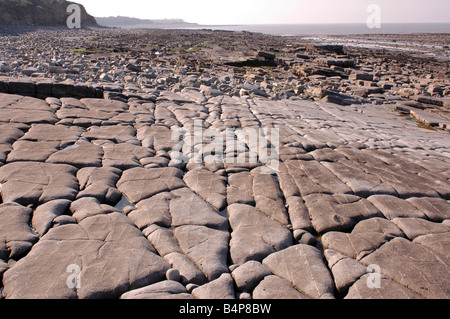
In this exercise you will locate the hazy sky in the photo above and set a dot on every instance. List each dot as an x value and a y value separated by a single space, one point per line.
272 11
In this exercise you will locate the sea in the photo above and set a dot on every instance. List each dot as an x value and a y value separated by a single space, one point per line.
334 29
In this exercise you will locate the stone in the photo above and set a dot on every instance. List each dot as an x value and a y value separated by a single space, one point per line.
24 151
240 189
414 267
254 235
269 198
186 208
206 247
436 209
394 207
307 272
162 290
115 134
273 287
189 272
338 212
16 235
46 132
298 214
312 177
249 275
100 183
124 156
221 289
22 88
361 76
32 183
346 271
365 238
438 242
140 183
97 247
163 241
209 186
27 110
173 274
388 290
415 227
81 154
45 214
154 210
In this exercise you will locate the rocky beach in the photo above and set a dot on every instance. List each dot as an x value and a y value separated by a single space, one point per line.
129 167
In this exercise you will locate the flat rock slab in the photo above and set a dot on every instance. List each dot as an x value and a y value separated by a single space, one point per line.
338 212
16 235
112 259
209 186
140 183
255 235
413 266
206 247
161 290
302 266
32 182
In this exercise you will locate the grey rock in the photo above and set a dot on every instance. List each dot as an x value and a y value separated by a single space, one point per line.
209 186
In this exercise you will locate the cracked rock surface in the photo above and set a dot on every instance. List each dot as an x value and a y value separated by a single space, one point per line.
135 195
